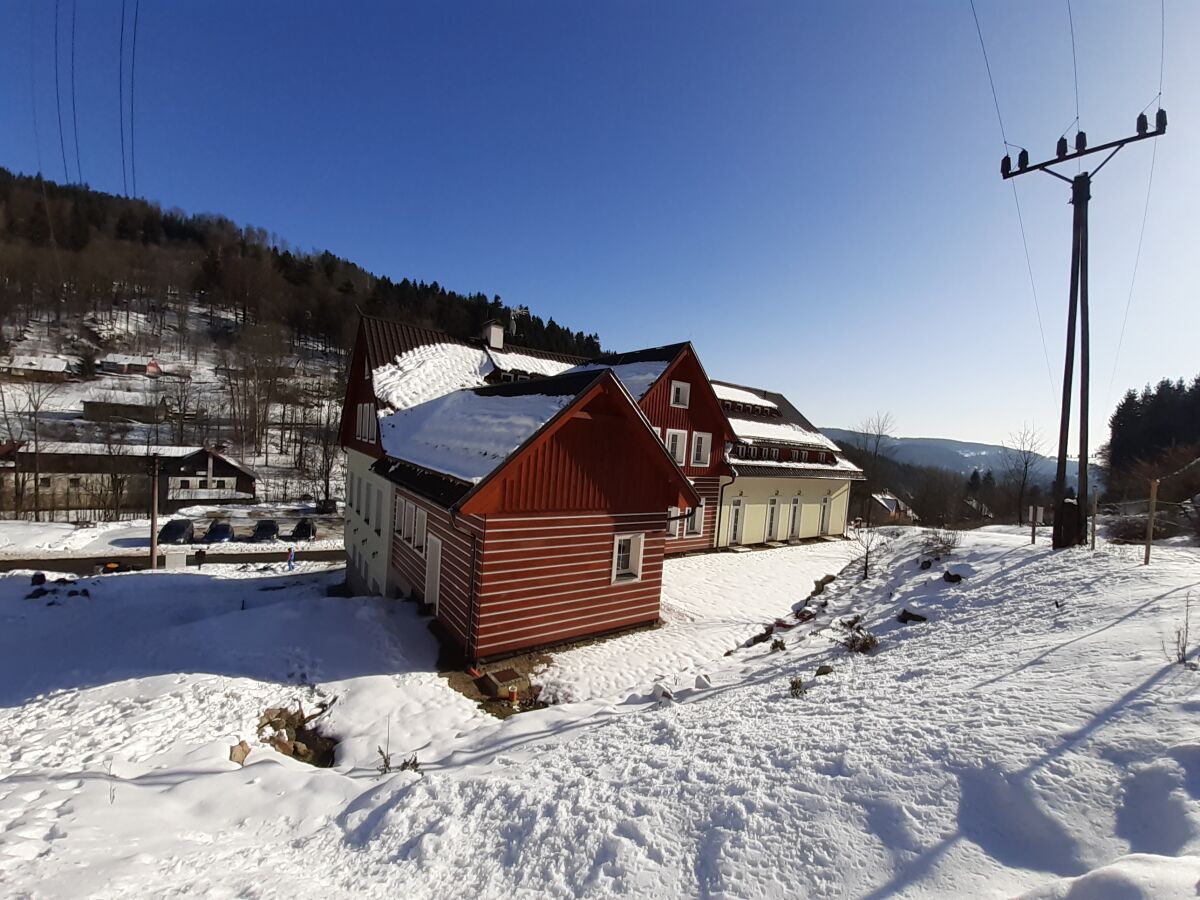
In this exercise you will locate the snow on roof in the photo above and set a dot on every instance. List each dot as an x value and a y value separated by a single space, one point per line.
467 434
514 360
59 447
840 464
34 363
741 395
751 430
430 371
638 377
125 359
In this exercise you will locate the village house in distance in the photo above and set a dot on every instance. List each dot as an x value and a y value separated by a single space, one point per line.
529 498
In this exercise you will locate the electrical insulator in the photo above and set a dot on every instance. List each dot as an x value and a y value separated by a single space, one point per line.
1080 141
1023 159
1061 149
1142 124
1160 120
1005 166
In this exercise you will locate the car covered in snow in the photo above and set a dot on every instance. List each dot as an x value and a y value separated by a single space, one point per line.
265 530
218 532
177 531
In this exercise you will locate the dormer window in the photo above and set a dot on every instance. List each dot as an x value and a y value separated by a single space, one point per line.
681 393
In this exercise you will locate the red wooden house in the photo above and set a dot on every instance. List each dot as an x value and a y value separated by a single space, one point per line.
531 513
673 390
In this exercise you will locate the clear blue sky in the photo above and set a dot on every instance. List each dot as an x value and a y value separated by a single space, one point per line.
809 192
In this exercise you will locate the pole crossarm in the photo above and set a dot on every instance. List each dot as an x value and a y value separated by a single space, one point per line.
1100 148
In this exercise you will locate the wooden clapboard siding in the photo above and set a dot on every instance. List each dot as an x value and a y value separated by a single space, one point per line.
548 579
459 578
710 490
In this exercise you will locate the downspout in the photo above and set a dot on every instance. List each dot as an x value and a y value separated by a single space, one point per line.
721 503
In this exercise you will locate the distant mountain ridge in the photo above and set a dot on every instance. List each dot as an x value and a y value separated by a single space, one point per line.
955 456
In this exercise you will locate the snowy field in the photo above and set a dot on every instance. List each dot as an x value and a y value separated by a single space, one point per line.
1030 737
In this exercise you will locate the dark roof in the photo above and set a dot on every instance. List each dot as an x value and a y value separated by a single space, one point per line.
386 339
787 412
568 384
753 470
650 354
442 489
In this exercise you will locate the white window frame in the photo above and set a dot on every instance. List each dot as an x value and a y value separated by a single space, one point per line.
410 516
636 546
695 520
673 522
681 456
422 527
685 390
398 516
701 439
794 521
772 528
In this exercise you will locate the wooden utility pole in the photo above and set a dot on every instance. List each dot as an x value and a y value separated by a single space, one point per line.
1069 534
154 512
1150 520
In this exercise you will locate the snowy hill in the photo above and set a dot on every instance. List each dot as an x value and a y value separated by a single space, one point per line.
1031 736
956 456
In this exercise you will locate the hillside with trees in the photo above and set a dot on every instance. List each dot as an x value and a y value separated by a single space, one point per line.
71 252
1154 434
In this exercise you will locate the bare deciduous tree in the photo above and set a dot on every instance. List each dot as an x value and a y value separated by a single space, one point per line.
1020 455
33 397
873 441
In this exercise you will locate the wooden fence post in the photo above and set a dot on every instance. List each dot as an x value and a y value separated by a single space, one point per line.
1150 520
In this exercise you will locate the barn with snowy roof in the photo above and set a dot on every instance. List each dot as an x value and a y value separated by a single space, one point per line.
530 513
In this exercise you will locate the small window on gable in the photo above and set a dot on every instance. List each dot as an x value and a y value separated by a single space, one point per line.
627 557
701 448
676 441
681 393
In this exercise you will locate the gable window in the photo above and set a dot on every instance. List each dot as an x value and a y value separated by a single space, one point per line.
701 448
367 425
677 445
627 557
695 519
681 393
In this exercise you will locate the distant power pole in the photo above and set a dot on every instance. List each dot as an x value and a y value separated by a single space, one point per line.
1074 532
154 473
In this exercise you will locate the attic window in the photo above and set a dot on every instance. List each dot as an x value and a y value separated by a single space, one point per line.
681 393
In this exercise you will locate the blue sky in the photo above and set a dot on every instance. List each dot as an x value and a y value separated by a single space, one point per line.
809 192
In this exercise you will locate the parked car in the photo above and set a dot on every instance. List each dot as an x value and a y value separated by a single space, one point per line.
177 531
218 533
305 530
265 530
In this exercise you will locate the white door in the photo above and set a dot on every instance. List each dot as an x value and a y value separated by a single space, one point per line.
825 507
794 524
735 522
772 518
433 571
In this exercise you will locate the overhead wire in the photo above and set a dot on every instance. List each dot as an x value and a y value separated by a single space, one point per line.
1075 72
1037 307
74 117
1137 256
121 98
58 99
132 79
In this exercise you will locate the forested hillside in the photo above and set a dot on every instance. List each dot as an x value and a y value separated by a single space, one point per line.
67 252
1155 433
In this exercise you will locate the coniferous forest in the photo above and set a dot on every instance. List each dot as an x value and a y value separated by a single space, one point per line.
69 251
1154 433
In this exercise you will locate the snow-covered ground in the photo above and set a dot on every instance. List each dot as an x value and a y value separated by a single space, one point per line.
1032 736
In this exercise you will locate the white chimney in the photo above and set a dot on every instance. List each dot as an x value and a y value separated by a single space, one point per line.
493 333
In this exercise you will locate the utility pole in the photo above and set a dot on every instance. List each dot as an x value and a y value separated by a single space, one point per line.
1074 532
154 512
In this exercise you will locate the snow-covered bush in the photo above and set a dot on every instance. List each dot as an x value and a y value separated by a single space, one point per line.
796 688
940 542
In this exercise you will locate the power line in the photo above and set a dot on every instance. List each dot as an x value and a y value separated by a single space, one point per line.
1020 218
1137 257
37 139
132 75
74 118
58 99
1074 63
121 97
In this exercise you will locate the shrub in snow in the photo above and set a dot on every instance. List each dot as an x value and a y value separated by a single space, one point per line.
1178 652
940 542
1132 529
796 688
857 639
410 764
777 645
